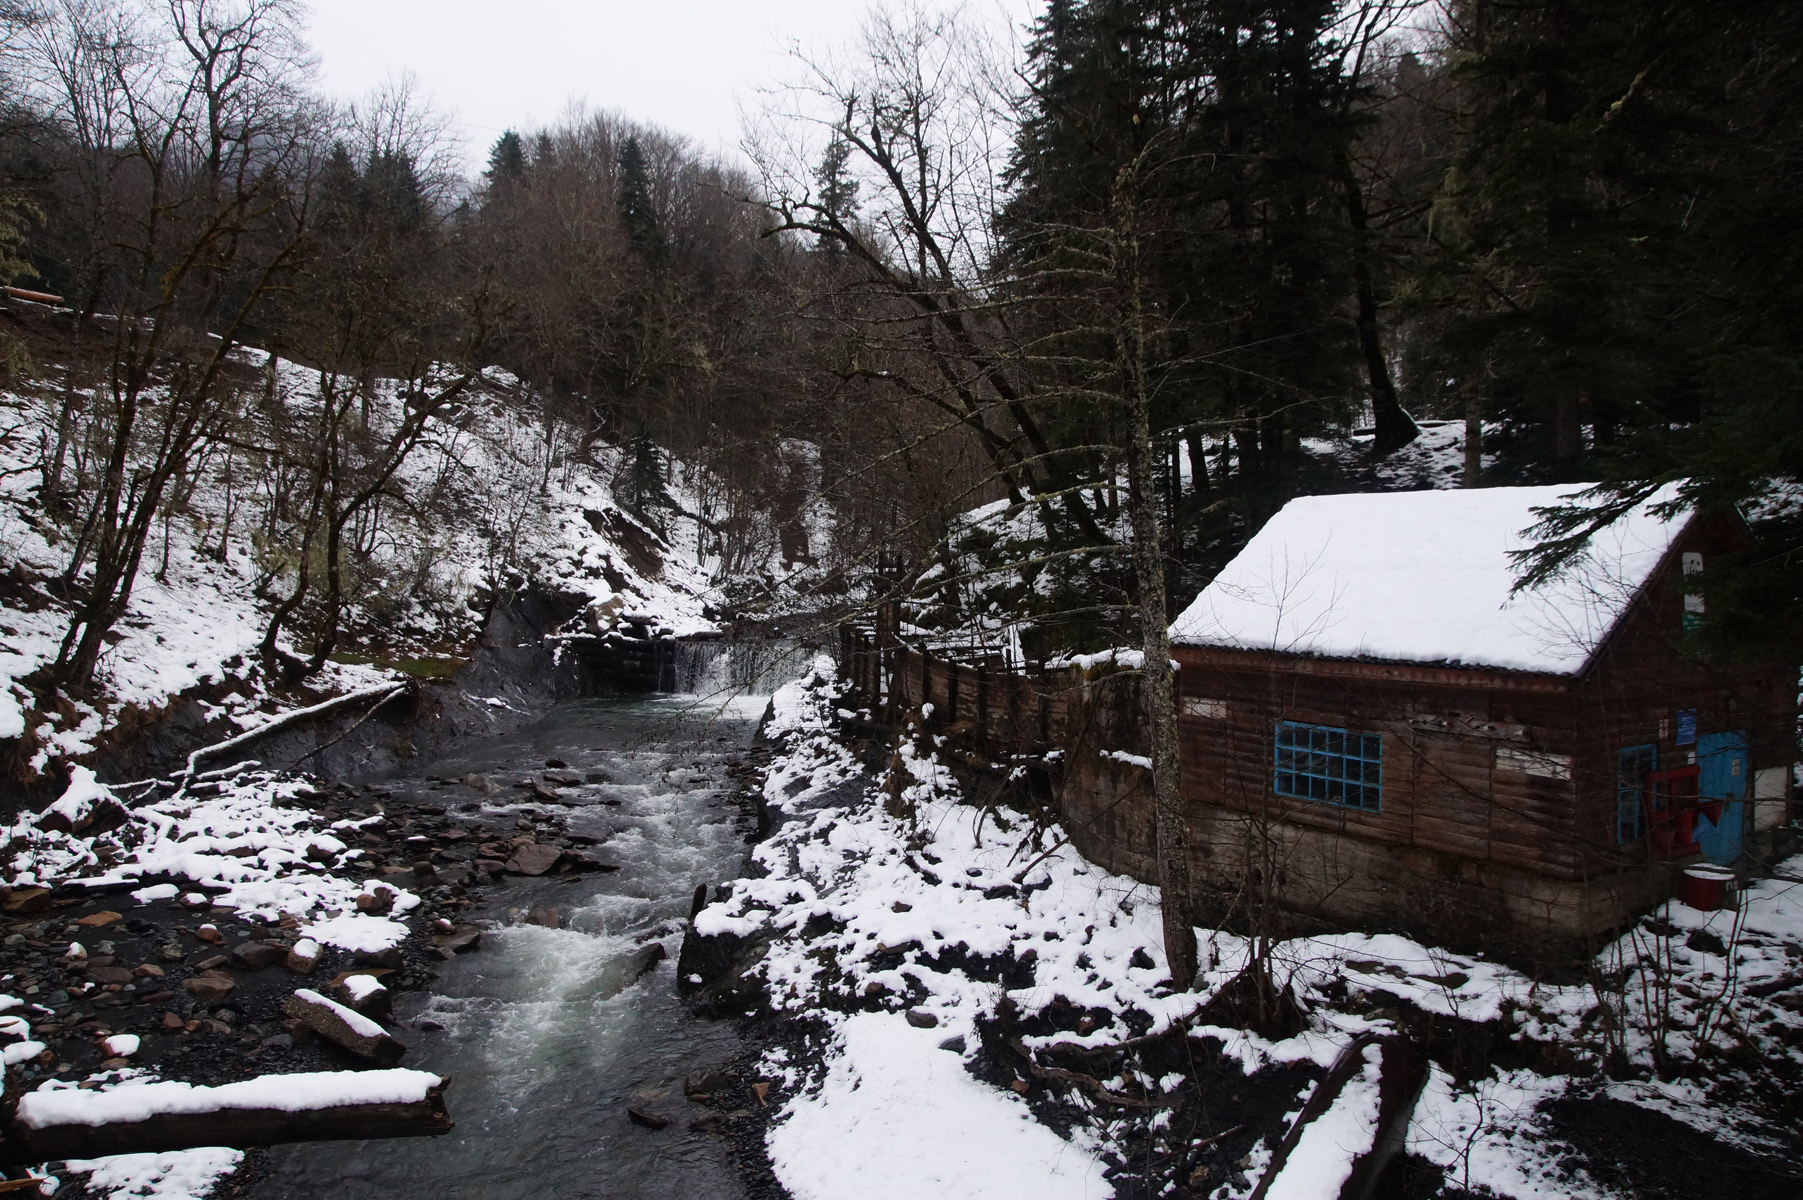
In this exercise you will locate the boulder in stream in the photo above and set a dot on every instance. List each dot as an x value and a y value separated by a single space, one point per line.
533 858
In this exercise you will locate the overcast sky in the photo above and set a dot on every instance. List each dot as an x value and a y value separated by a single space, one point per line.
684 64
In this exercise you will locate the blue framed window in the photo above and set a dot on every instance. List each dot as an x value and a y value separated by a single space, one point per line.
1633 765
1320 762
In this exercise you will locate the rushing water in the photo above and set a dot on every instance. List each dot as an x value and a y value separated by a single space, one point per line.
715 670
546 1036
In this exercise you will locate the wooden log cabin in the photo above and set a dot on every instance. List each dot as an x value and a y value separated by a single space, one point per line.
1377 731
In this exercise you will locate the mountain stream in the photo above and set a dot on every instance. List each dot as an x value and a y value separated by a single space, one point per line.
545 1033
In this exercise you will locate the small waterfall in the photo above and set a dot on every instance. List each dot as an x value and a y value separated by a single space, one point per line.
743 667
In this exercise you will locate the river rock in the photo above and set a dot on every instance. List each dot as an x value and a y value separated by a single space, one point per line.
377 901
647 1120
920 1018
210 985
255 956
704 1084
109 975
645 960
96 920
481 783
459 939
22 901
365 993
346 1027
548 915
715 971
597 777
303 957
534 858
566 778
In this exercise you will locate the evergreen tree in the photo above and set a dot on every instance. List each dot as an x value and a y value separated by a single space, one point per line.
645 476
638 212
506 162
838 192
1630 198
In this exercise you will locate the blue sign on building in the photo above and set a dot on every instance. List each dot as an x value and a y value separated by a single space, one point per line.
1687 727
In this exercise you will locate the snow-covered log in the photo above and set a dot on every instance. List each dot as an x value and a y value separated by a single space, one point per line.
153 1118
1350 1128
345 1026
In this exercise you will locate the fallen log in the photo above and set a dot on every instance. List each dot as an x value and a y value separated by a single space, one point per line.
345 1026
1353 1124
156 1118
385 691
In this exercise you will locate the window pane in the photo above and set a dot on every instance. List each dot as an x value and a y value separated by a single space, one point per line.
1325 763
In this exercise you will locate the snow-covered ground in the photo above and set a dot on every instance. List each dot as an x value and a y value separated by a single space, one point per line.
242 837
239 837
882 903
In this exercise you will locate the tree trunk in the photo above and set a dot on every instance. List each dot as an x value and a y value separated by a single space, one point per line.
1568 435
1158 681
243 1128
1198 467
1474 437
1393 426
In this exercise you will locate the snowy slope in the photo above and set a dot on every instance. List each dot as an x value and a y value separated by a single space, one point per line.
489 505
876 920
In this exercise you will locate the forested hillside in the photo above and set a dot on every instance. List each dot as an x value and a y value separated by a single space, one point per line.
1178 263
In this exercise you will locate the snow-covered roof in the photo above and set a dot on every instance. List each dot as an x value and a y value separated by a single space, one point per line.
1425 577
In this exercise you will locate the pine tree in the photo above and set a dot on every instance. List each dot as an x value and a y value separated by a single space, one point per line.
638 212
1629 199
838 192
506 162
645 476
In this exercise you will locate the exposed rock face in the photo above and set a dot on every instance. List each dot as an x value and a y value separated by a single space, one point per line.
712 970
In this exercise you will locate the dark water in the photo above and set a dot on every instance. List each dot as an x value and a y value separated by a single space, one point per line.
546 1038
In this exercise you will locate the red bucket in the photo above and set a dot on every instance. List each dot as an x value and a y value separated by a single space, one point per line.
1704 888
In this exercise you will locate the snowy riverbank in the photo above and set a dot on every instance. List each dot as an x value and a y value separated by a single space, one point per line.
955 965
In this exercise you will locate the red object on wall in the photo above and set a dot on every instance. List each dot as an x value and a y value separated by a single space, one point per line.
1672 809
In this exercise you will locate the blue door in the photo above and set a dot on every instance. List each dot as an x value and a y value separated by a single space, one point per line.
1722 775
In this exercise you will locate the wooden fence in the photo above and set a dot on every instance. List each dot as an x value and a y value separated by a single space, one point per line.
1077 731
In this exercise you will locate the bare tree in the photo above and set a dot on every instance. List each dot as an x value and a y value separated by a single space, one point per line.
206 128
922 120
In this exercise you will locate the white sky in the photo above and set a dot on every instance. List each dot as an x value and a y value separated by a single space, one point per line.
686 65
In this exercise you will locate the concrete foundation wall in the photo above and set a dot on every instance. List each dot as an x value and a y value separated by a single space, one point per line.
1341 880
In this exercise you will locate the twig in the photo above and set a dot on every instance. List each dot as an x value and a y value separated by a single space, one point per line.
352 728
